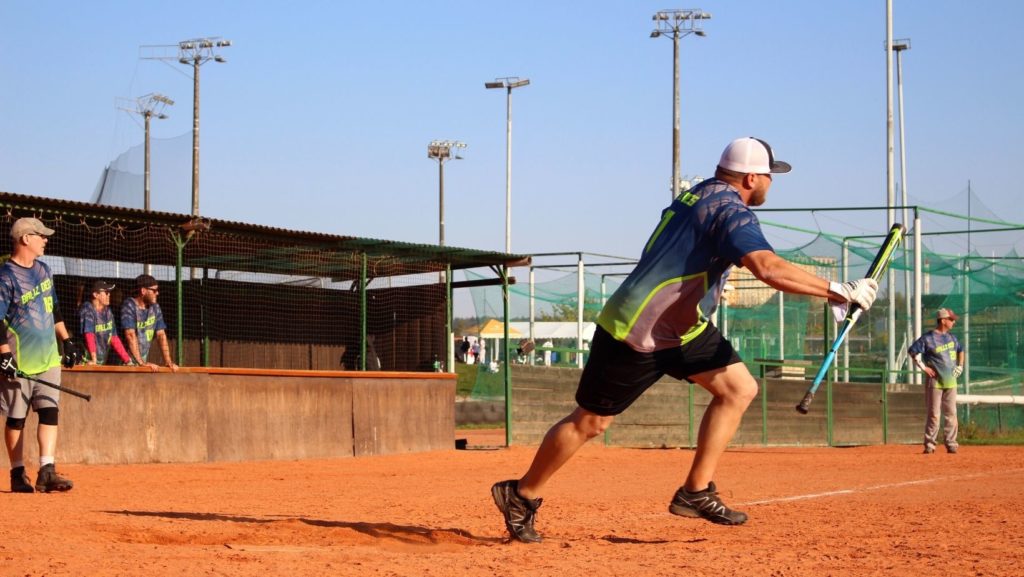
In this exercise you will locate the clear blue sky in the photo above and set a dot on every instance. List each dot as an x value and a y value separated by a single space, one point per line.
321 117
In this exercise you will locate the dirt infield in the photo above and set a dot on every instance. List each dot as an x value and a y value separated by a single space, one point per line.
816 511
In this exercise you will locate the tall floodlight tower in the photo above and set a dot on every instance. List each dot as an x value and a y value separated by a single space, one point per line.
913 327
194 53
676 24
508 83
148 107
441 151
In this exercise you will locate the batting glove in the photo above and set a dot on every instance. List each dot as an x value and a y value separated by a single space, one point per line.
860 292
72 356
957 371
8 367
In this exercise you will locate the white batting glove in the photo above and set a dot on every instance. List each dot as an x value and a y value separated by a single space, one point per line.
957 371
861 292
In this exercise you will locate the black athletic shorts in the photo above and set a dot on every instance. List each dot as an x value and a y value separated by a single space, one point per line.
616 375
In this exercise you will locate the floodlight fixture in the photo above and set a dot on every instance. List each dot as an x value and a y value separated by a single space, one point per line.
676 24
442 150
149 106
508 83
193 52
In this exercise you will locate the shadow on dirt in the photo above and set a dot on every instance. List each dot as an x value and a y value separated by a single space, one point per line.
411 534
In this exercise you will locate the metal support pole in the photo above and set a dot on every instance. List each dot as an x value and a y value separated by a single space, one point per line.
362 313
195 136
846 343
508 170
782 327
180 258
533 311
581 293
890 188
448 320
507 365
918 284
675 116
440 205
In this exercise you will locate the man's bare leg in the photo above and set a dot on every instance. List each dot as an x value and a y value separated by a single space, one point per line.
560 443
733 388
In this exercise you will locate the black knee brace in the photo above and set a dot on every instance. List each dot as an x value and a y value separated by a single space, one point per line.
48 415
15 424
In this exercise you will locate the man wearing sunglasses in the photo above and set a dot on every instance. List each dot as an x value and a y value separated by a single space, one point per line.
143 322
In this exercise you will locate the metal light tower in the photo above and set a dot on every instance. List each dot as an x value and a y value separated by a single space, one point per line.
675 24
508 83
441 150
195 52
913 327
148 106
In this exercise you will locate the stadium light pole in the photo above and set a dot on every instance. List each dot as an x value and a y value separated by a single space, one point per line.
194 53
148 107
676 24
508 83
442 150
913 328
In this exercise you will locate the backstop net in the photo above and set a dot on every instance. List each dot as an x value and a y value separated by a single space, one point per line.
983 284
237 295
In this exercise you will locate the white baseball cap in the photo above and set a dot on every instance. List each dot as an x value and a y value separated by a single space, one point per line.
751 156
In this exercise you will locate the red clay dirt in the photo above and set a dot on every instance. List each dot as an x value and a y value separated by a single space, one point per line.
885 510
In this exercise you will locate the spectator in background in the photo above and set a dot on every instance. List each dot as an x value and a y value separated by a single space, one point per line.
28 306
464 350
97 323
143 322
475 351
941 357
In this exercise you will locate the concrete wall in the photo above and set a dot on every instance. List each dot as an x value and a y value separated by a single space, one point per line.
199 415
661 417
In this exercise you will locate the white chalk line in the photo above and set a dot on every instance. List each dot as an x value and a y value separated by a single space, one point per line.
878 487
883 486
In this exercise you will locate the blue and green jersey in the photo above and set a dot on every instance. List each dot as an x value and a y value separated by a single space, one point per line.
99 323
939 351
145 321
675 287
27 302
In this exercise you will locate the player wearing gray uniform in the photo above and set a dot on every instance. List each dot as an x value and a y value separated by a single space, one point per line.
939 354
28 305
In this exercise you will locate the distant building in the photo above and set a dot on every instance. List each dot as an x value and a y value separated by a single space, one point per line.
750 292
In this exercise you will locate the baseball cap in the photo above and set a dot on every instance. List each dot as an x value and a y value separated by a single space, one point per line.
145 281
946 314
751 156
102 285
29 225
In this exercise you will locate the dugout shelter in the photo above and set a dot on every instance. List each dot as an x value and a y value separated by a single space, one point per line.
293 344
250 296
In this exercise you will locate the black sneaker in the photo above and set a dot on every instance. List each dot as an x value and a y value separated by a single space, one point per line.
951 450
48 480
929 450
705 504
20 482
519 512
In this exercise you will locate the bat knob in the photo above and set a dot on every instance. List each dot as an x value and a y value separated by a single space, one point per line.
805 404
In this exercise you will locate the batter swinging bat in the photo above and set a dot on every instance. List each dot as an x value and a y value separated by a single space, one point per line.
877 269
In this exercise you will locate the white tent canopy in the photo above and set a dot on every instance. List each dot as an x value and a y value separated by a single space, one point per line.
553 330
